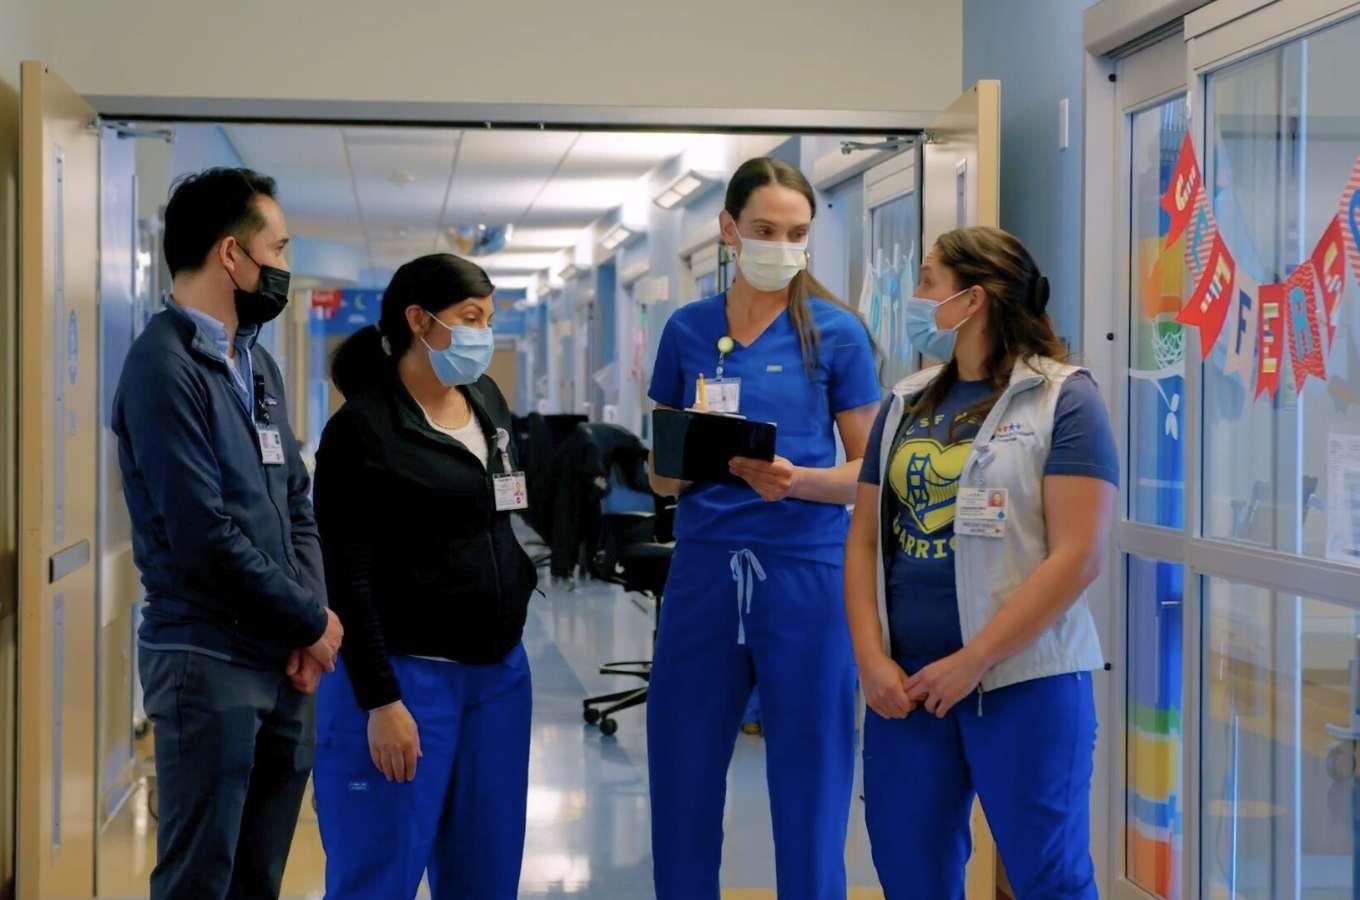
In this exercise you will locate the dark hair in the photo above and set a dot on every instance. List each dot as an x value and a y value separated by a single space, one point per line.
764 171
434 283
208 206
1018 325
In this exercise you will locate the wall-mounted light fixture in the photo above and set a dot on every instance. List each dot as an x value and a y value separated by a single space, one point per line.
616 237
685 189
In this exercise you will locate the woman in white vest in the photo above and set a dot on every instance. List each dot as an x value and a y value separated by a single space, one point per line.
983 513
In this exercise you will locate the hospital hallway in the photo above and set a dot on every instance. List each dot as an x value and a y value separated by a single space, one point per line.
313 310
588 813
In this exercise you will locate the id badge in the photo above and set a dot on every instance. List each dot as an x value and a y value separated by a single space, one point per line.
981 512
512 492
271 446
723 395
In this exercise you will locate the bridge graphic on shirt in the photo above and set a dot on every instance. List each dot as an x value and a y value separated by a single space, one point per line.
924 476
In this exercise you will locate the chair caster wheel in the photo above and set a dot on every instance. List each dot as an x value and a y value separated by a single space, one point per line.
592 715
608 727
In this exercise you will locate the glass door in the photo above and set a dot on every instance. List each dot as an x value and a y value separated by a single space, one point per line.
1155 493
1278 470
1146 703
1237 613
894 227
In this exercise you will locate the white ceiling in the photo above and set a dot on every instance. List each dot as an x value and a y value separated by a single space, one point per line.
395 192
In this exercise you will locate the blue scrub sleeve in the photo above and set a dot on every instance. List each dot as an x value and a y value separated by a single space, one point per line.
1083 442
668 380
854 374
868 474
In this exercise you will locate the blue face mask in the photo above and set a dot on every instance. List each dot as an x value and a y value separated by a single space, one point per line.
925 333
466 358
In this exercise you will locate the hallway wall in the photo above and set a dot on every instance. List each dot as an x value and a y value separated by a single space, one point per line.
1041 186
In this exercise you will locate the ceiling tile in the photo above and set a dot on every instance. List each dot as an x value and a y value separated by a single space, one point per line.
402 182
510 261
550 185
528 239
609 154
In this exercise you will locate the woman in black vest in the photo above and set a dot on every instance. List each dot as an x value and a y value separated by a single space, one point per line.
423 743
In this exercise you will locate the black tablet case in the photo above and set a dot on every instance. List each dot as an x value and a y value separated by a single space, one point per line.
697 446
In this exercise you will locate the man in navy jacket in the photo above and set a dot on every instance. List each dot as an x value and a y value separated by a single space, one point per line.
236 631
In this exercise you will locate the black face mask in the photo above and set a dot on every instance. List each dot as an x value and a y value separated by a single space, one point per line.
255 308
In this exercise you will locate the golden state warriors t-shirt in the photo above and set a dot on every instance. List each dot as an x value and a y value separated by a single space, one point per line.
923 483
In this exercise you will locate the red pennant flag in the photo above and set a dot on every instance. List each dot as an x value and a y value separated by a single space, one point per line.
1329 263
1200 235
1270 343
1305 332
1186 182
1208 306
1350 218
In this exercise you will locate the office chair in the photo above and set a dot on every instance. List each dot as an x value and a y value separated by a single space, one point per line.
539 440
634 550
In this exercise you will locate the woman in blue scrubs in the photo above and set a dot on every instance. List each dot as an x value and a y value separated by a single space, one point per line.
984 511
422 758
755 589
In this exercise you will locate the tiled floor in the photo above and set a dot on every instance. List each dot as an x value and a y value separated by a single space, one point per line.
588 832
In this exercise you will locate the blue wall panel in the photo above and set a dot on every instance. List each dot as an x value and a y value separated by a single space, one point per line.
1036 49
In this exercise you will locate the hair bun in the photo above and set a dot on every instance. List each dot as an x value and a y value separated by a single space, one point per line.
1039 296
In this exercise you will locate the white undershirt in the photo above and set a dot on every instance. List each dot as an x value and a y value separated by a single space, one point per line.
470 436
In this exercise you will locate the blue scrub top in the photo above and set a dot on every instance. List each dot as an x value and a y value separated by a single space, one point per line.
775 387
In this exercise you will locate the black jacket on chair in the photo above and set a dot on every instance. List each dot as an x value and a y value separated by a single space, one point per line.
418 560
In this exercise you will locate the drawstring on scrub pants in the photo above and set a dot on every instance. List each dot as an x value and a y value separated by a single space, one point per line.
744 566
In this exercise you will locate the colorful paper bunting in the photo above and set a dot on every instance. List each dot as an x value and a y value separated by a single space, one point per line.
1269 343
1303 312
1208 306
1186 182
1305 333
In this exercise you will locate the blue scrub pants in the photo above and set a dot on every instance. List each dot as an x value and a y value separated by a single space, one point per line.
793 641
463 816
1028 755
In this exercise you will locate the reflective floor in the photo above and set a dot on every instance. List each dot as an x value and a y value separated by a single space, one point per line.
588 828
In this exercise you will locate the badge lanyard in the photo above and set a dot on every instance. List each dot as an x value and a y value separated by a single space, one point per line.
271 438
723 394
511 487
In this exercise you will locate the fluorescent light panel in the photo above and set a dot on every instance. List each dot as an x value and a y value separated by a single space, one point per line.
688 185
616 237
